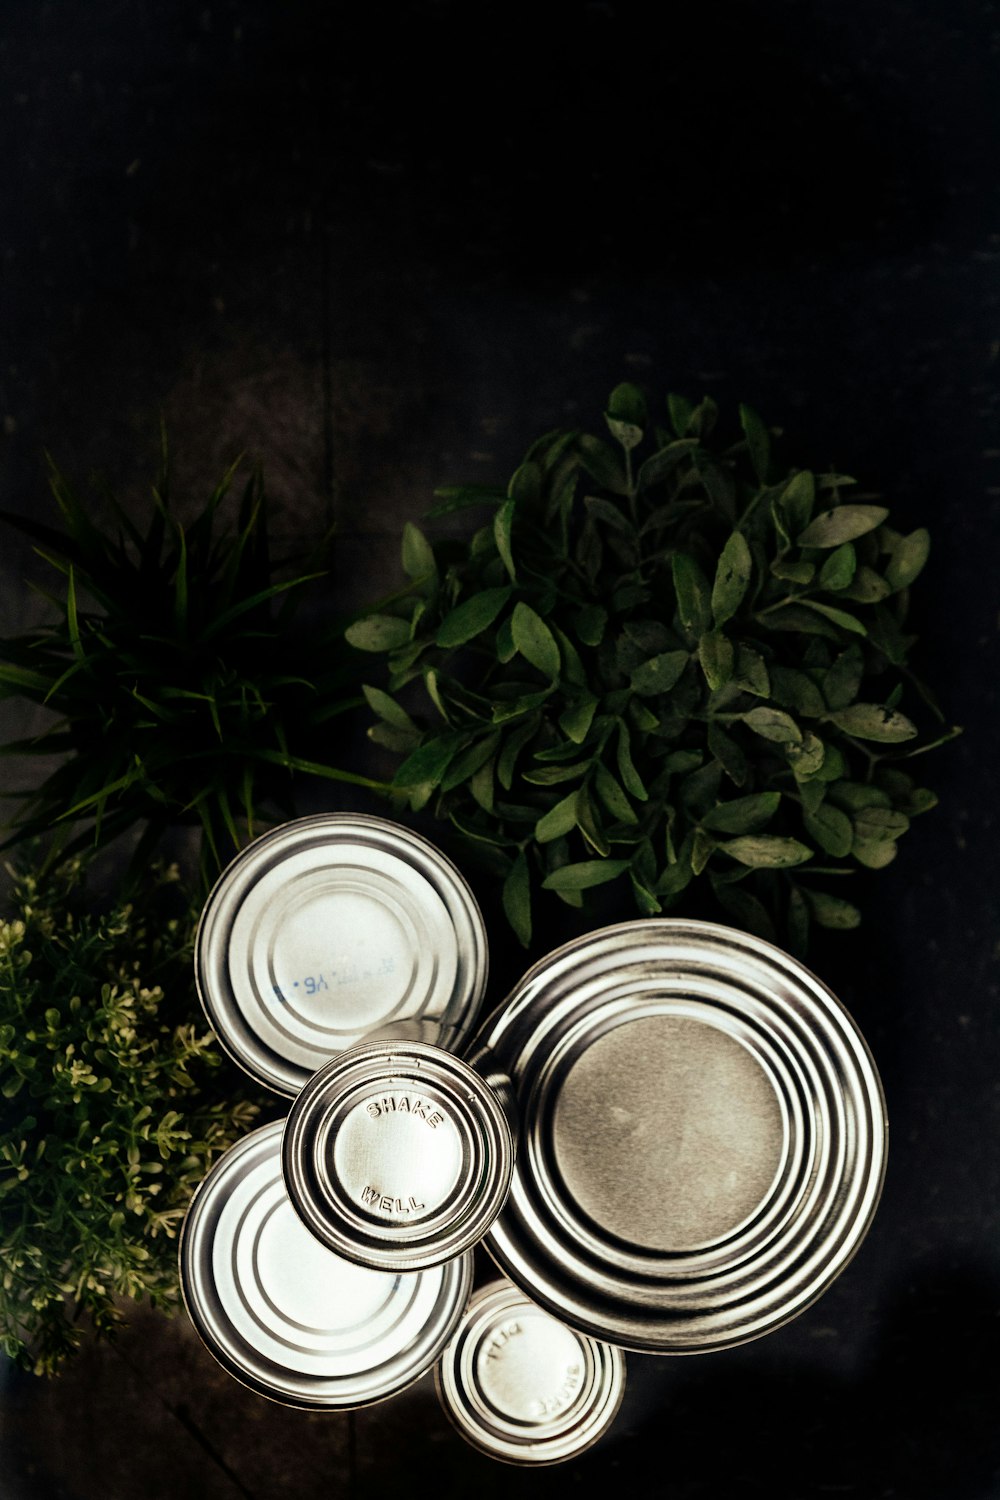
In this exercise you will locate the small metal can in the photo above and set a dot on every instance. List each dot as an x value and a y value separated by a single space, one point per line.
328 928
398 1154
286 1316
703 1135
523 1387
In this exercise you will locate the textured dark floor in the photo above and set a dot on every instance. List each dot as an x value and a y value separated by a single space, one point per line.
381 249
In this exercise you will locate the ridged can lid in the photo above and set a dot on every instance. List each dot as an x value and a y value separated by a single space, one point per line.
523 1387
703 1139
328 928
286 1316
398 1155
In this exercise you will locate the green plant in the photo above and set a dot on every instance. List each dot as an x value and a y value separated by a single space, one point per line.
664 664
180 686
109 1117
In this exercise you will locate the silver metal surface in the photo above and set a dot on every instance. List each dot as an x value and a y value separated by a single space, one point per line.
703 1135
327 929
523 1387
285 1315
397 1154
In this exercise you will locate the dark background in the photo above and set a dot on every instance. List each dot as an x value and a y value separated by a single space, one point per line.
382 248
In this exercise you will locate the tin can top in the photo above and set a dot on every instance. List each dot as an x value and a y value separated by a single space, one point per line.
328 928
703 1139
397 1155
285 1315
523 1387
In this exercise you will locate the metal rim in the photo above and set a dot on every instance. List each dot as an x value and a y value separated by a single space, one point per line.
521 1386
287 1317
330 927
790 1095
397 1155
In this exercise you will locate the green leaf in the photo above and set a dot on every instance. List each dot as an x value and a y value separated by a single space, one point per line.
879 825
907 559
525 485
694 600
750 671
559 820
728 753
575 722
471 617
469 761
866 587
842 681
378 633
830 828
664 462
806 759
611 794
797 500
428 763
839 568
587 873
732 578
589 624
758 441
742 814
626 769
513 743
773 724
766 851
627 403
659 674
843 523
517 898
832 911
716 654
871 721
601 463
535 640
503 523
418 555
388 709
837 616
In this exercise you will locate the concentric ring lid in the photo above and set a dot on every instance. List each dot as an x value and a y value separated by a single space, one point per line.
523 1387
703 1138
285 1315
397 1155
331 927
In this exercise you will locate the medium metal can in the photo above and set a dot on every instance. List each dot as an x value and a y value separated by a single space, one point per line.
398 1154
524 1388
329 928
285 1315
703 1135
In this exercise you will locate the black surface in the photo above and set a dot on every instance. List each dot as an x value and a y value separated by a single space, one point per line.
381 249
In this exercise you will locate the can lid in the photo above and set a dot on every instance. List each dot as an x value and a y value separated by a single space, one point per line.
285 1315
397 1155
704 1135
523 1387
328 928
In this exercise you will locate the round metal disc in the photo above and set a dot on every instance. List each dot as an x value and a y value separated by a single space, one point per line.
703 1140
329 928
397 1155
523 1387
288 1317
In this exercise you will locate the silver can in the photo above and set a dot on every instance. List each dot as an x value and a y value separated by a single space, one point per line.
286 1316
524 1388
398 1154
327 929
703 1141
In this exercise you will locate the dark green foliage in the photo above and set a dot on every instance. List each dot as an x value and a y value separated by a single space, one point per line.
181 686
110 1114
665 665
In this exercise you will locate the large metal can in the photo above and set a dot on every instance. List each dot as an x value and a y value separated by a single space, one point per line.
703 1135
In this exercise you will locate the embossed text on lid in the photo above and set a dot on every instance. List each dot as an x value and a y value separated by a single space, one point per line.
397 1154
328 928
523 1387
287 1316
